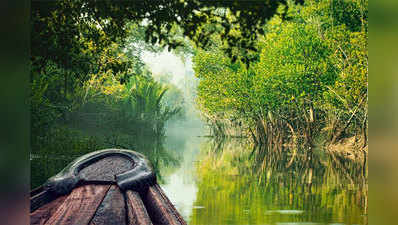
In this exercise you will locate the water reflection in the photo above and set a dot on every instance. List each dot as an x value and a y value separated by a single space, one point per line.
232 182
241 185
180 186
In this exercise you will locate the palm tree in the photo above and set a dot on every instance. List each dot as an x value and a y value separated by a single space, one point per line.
144 101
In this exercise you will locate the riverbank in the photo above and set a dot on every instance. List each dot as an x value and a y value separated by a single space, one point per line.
351 148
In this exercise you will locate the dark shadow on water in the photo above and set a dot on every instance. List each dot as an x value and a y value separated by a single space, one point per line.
44 165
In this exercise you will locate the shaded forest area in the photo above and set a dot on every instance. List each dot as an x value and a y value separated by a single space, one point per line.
89 86
284 73
109 101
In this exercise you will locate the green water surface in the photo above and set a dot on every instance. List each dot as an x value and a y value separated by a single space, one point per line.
231 182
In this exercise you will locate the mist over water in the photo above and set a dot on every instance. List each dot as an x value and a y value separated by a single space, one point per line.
167 62
181 75
180 185
217 182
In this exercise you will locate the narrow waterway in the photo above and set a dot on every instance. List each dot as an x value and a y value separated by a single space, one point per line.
215 182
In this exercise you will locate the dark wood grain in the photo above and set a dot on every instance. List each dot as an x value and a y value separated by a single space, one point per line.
170 204
159 208
136 211
42 214
90 193
112 210
80 206
40 199
105 169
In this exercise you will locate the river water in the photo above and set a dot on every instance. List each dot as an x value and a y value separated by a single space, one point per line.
217 182
230 182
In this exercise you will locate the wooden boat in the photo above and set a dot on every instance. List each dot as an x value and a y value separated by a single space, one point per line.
111 186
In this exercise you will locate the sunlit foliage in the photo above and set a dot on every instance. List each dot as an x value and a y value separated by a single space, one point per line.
310 79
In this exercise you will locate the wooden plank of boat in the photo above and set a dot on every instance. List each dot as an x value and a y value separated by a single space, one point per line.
111 186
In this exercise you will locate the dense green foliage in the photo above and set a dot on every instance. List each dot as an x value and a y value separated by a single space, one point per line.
310 79
61 29
86 66
104 96
281 74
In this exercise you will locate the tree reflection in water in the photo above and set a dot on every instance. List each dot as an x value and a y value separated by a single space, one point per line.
237 183
242 184
45 165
